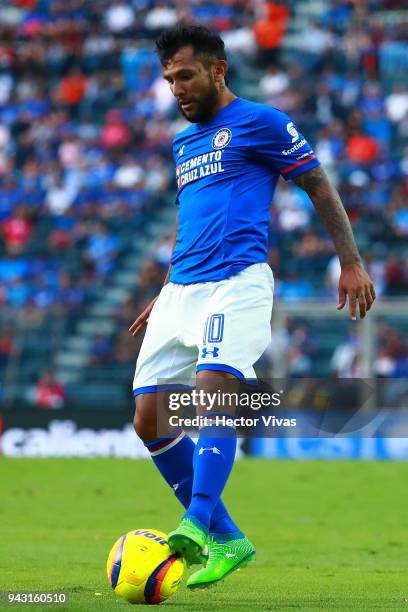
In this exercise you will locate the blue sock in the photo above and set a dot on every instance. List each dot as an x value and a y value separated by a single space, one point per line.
213 460
174 459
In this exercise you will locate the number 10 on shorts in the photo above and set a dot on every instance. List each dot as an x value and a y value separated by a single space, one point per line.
213 329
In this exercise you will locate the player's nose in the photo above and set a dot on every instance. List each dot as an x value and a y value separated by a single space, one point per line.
179 91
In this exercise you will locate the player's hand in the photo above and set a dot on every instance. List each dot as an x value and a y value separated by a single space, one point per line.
142 319
357 285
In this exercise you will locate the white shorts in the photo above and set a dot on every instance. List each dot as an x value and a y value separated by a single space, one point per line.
224 325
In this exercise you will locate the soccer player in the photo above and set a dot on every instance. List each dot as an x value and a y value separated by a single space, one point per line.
212 317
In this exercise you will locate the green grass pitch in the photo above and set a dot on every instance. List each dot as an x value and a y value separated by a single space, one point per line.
329 535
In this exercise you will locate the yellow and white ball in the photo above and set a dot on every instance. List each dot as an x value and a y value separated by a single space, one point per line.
142 569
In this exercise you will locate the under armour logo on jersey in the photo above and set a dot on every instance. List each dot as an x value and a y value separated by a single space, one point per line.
181 150
292 131
212 449
175 486
214 352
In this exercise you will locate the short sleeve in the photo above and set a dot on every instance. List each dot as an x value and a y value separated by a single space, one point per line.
279 143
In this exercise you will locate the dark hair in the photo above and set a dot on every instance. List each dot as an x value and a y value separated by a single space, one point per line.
205 43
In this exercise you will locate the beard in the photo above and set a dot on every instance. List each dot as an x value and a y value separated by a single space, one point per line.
204 107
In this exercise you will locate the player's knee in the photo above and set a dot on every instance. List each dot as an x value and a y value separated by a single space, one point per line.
144 420
213 380
219 386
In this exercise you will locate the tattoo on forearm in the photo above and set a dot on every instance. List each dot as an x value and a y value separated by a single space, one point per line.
331 212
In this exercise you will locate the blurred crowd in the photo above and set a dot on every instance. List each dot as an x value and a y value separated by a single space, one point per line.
86 125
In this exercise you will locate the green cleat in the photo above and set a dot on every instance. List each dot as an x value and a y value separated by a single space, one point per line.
189 541
224 558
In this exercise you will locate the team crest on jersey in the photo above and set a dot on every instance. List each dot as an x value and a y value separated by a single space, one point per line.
221 138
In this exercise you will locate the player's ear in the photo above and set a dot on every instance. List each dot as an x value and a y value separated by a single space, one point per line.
219 69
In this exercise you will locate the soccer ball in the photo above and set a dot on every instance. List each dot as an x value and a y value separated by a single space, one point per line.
142 569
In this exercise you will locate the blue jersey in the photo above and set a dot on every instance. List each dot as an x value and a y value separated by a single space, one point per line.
227 170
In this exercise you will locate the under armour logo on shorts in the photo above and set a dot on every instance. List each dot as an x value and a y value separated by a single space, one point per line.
214 352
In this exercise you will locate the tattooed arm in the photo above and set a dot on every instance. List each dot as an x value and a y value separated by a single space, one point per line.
354 280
